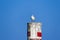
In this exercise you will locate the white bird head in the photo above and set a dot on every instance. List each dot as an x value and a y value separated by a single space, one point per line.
32 17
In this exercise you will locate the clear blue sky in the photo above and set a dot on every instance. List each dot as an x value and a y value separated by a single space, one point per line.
14 15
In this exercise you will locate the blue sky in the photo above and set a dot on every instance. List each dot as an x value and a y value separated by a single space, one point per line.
14 15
